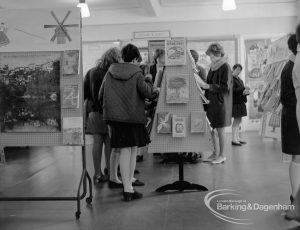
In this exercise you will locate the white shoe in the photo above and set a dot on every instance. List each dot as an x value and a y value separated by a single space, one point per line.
211 158
219 160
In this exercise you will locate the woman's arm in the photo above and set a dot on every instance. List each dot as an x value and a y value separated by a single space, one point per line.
146 89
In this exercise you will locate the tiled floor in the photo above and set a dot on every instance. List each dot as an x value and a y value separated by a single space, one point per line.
255 171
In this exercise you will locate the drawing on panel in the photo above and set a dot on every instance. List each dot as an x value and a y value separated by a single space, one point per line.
60 33
70 62
30 92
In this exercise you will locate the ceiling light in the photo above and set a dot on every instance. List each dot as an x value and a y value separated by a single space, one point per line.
84 8
228 5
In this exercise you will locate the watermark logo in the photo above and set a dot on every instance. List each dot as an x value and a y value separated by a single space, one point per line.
227 203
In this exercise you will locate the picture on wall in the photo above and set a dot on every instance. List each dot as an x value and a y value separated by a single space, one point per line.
31 82
178 126
256 58
177 89
164 122
73 130
255 108
70 62
198 122
175 51
70 97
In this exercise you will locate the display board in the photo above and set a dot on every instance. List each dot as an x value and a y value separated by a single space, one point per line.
188 130
41 74
256 62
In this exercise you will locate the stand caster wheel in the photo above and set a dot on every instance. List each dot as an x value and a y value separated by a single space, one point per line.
77 214
89 200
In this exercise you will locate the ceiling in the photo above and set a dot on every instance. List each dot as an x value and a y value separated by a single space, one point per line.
104 12
120 4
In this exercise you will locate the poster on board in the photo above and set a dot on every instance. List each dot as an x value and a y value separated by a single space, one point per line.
73 130
177 89
256 59
32 91
175 51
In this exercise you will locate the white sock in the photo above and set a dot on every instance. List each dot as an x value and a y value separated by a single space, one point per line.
125 169
133 163
295 177
114 162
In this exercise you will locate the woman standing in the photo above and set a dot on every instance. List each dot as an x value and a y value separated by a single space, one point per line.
291 133
122 96
95 124
239 100
158 67
218 91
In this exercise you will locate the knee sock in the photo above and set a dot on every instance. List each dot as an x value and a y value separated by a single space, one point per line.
132 163
295 177
125 169
114 162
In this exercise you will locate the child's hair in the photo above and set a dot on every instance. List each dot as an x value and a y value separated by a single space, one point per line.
158 53
216 49
131 52
292 43
237 66
298 33
112 55
195 55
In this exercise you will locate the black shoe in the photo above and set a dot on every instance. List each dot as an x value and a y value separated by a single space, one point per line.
136 171
243 142
128 196
112 184
236 143
138 183
139 158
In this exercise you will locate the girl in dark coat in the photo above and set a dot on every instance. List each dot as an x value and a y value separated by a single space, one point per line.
122 96
218 91
95 123
290 135
292 114
239 100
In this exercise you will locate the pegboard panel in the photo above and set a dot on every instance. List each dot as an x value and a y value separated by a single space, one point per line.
49 138
193 142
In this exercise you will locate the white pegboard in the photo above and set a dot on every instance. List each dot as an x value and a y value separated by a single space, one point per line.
193 142
46 139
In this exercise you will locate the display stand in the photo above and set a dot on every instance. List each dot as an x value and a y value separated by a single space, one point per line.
193 141
53 32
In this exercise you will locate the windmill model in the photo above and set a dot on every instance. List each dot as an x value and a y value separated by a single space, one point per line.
60 33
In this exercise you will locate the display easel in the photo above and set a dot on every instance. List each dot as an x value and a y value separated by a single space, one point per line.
66 39
193 142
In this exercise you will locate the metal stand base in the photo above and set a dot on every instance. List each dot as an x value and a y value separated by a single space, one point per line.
82 185
181 185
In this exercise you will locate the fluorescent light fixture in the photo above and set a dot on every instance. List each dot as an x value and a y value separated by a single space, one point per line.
85 12
228 5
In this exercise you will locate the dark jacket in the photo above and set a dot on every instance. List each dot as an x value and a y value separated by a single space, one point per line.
219 109
287 93
153 72
123 92
290 134
238 89
92 83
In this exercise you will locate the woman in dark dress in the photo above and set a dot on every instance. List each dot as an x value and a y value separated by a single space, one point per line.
218 91
122 96
290 135
239 100
95 124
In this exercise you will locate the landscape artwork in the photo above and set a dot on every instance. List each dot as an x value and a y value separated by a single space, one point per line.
177 89
30 92
70 97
